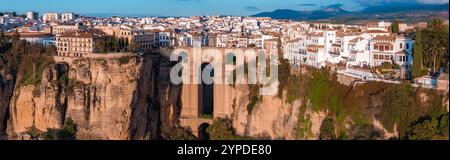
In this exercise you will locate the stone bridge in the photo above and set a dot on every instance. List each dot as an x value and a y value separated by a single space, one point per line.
202 103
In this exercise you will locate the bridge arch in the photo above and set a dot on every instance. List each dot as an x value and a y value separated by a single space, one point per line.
206 93
203 132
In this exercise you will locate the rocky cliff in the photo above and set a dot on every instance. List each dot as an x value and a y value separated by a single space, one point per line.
131 97
346 110
125 97
273 117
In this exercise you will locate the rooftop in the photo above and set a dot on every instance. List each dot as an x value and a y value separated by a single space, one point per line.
83 34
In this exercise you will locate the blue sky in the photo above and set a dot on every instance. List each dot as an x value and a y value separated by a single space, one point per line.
183 7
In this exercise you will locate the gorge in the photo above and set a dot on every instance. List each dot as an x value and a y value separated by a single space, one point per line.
129 97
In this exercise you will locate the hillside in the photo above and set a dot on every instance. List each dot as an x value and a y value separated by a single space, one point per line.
391 11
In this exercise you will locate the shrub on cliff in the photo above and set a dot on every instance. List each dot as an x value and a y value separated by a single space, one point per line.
68 132
284 73
31 68
33 131
327 131
222 129
177 133
429 128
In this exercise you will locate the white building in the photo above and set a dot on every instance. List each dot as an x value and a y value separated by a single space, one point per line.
358 51
370 48
62 28
52 16
165 38
4 19
67 17
32 15
393 49
39 38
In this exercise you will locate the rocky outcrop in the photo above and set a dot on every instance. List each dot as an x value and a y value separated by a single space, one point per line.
41 106
107 98
273 117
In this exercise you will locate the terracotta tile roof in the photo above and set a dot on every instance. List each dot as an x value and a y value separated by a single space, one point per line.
315 46
83 34
355 40
30 34
384 38
382 43
375 31
293 40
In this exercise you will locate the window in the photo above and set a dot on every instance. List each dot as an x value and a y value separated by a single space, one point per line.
375 47
375 56
401 45
407 45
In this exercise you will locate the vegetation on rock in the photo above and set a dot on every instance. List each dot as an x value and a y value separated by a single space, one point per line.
222 129
67 132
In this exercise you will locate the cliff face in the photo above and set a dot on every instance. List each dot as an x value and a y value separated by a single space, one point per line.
367 111
129 97
6 90
272 117
110 98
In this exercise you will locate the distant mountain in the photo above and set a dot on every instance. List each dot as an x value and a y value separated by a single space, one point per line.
326 12
391 10
396 7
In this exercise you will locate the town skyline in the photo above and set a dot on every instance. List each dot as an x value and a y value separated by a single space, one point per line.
179 8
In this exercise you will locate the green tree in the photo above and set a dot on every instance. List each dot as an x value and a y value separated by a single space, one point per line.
435 45
432 48
417 54
101 44
284 71
33 131
4 44
436 24
222 129
50 134
133 47
68 132
16 37
395 28
327 131
429 128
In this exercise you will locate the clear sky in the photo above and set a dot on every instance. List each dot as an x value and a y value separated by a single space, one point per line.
183 7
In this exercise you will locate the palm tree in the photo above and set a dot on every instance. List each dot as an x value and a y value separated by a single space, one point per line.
436 24
435 44
433 48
